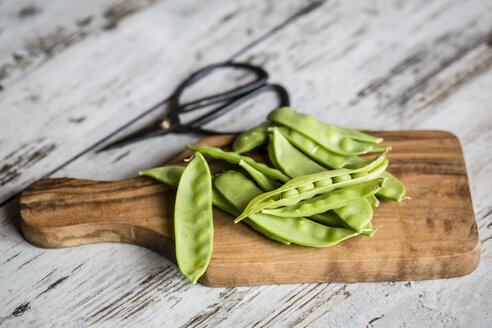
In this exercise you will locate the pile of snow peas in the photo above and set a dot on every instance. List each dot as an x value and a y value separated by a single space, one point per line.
317 191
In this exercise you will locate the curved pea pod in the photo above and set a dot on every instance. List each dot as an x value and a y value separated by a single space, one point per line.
265 232
250 139
290 160
357 212
220 202
330 218
234 186
262 180
328 201
358 215
235 158
355 215
393 188
193 226
373 200
323 182
167 174
271 156
329 136
316 152
360 136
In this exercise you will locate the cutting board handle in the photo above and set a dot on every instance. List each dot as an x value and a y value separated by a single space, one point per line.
65 212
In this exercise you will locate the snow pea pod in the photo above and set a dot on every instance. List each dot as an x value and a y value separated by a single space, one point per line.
328 201
250 139
220 202
315 151
360 136
237 189
356 216
235 158
373 201
290 160
262 180
171 174
167 174
321 182
193 226
328 135
393 188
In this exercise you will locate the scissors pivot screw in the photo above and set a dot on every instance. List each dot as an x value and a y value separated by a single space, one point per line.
165 124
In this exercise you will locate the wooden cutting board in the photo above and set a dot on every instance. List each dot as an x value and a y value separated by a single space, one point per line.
432 235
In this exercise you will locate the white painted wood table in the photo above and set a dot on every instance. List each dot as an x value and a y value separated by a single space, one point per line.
74 74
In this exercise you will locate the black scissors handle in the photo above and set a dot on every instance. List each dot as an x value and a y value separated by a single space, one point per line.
231 99
195 126
261 74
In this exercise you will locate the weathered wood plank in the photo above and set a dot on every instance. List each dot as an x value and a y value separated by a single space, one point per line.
347 48
30 36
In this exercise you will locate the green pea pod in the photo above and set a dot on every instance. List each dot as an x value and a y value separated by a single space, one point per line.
237 189
193 226
329 136
362 211
328 201
317 152
235 158
265 232
167 174
357 216
322 183
220 202
373 200
271 156
250 139
291 161
360 136
393 189
262 180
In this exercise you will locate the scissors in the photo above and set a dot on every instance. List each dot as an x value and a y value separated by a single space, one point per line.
230 99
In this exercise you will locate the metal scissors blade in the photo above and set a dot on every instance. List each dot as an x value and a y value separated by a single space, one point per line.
227 100
147 132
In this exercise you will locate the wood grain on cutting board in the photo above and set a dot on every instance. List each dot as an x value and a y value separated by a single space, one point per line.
432 235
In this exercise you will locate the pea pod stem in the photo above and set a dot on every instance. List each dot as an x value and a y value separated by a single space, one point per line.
250 139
